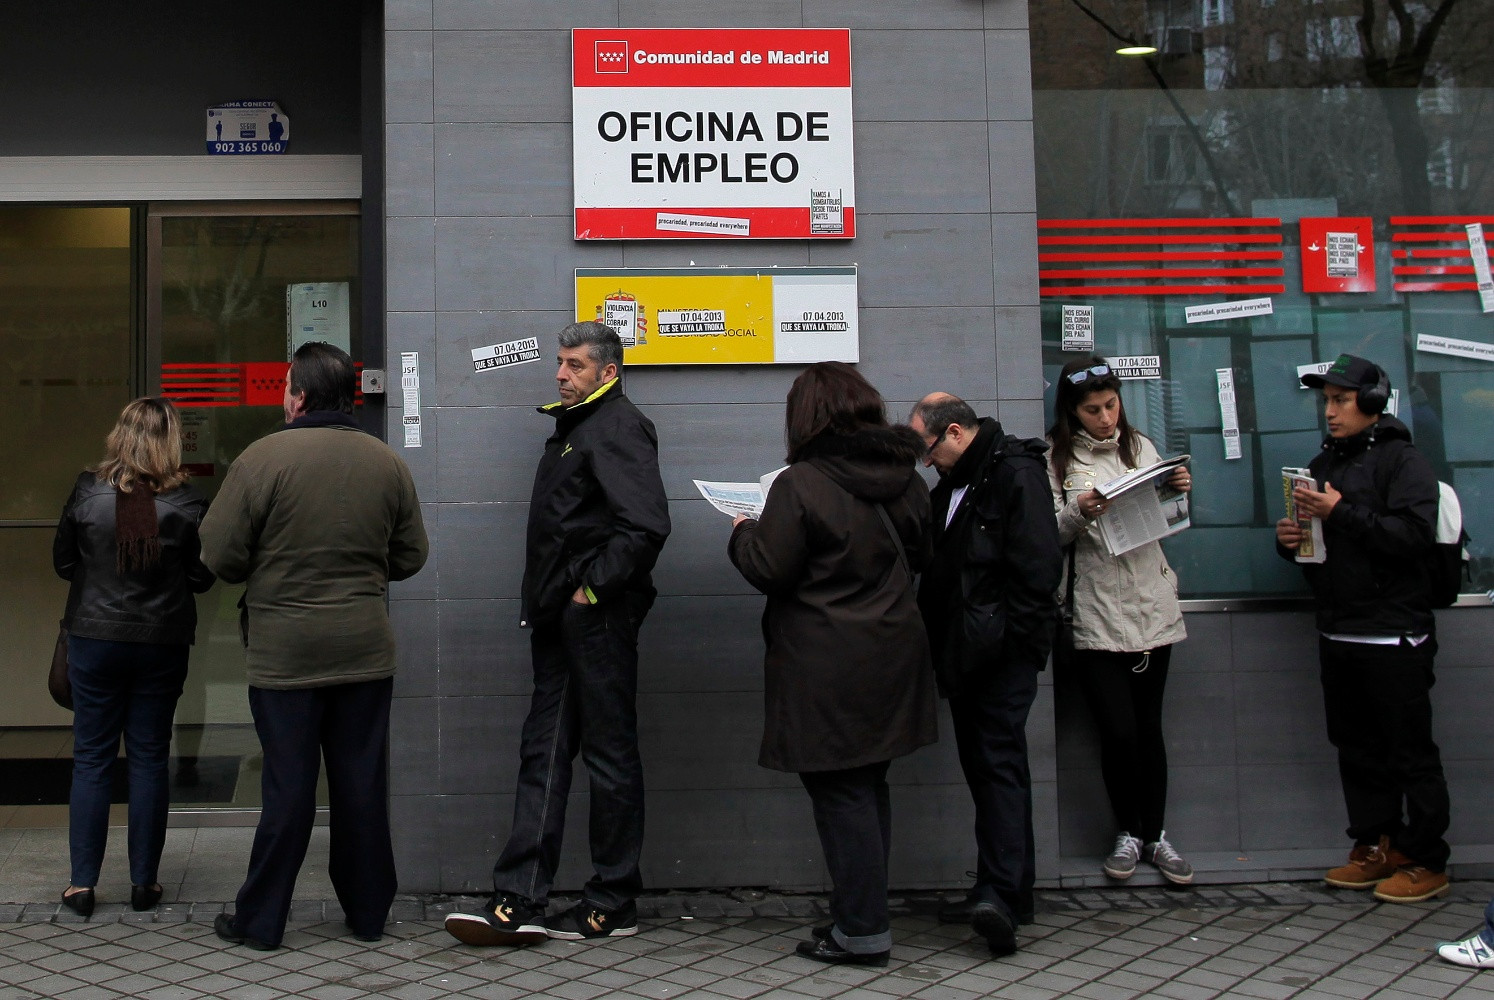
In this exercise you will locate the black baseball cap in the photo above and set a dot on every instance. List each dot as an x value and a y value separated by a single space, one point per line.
1348 372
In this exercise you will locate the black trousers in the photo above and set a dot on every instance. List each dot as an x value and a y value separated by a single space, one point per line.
990 710
584 701
853 814
1124 692
348 726
1379 707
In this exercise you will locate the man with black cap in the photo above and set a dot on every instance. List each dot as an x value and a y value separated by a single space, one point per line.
1377 501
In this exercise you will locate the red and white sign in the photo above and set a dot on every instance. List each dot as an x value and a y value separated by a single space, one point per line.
1338 255
684 133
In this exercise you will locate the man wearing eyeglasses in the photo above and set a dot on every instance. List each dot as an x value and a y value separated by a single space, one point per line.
987 601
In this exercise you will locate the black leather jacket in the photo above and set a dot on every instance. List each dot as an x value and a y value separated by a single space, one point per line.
151 605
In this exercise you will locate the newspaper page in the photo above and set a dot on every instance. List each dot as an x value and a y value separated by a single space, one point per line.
1311 549
732 499
1144 507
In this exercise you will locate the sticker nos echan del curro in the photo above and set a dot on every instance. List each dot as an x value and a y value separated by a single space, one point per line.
690 134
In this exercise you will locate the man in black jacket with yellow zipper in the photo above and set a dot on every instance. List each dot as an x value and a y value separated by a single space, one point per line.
1377 499
598 518
988 603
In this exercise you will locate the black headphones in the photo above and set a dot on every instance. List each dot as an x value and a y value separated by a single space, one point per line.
1372 399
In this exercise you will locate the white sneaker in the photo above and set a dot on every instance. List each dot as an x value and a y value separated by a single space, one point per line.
1474 953
1121 864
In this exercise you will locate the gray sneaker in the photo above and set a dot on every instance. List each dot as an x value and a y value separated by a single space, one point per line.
1168 861
1122 861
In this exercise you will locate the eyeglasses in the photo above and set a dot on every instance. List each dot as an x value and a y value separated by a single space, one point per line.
1098 371
935 443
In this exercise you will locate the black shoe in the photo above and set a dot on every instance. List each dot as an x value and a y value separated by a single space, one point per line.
958 912
995 925
586 921
80 901
224 928
824 949
379 936
506 920
821 933
144 897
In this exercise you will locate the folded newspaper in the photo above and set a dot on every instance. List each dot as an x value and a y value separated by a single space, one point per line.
1311 549
1144 506
732 499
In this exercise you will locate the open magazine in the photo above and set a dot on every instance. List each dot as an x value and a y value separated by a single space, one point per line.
732 499
1311 549
1143 506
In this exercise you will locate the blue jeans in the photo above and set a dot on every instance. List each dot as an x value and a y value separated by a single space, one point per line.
127 688
585 688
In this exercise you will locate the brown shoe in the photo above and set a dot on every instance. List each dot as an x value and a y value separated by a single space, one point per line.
1412 884
1369 865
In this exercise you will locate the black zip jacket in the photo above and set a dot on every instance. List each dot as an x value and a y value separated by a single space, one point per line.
598 516
987 596
153 604
1374 582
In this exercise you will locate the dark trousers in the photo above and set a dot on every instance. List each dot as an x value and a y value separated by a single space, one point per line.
585 690
1379 708
989 710
1124 691
348 726
129 689
853 814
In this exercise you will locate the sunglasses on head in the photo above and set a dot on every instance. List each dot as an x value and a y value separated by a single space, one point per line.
1083 375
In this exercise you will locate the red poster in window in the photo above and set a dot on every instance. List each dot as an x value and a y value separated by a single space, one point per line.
1338 255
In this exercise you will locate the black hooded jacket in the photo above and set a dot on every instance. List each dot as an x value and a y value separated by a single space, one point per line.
987 597
598 516
1374 579
847 678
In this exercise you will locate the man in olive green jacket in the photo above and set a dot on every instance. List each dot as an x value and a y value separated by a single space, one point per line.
316 519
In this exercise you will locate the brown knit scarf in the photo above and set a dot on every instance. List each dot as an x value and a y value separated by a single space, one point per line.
136 533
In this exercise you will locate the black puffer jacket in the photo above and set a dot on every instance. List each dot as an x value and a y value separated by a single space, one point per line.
153 604
598 516
1374 580
987 597
847 678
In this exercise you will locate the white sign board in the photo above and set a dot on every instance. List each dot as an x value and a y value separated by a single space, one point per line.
506 355
688 133
1227 310
247 128
1136 366
317 311
1079 328
1455 348
1228 414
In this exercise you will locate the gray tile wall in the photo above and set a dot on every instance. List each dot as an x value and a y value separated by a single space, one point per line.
480 250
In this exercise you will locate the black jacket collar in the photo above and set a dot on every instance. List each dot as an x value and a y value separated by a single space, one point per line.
967 467
323 418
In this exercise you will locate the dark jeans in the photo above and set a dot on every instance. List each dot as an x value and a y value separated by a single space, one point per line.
853 814
585 688
348 726
127 688
989 710
1124 691
1379 708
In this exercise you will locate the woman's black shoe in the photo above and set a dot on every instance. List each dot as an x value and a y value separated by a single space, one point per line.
224 928
826 950
80 901
144 897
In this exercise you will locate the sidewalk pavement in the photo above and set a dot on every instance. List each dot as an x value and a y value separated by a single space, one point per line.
1268 942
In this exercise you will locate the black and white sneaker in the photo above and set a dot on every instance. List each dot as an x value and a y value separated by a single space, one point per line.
587 921
507 920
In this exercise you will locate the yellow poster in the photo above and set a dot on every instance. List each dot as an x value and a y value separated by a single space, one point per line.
724 316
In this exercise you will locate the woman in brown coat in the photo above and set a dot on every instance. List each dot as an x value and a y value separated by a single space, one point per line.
849 684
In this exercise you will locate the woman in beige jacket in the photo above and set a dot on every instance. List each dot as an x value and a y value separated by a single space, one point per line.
1126 614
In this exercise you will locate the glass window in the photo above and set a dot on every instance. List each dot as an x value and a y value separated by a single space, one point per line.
1212 172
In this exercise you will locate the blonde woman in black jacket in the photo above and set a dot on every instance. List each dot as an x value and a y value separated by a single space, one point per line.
127 541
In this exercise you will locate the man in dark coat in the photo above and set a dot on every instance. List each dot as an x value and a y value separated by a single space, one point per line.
1377 634
987 601
598 518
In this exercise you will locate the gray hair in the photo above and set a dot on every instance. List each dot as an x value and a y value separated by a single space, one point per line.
939 413
603 344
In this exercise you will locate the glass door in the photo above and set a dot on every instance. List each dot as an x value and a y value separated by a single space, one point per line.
231 291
